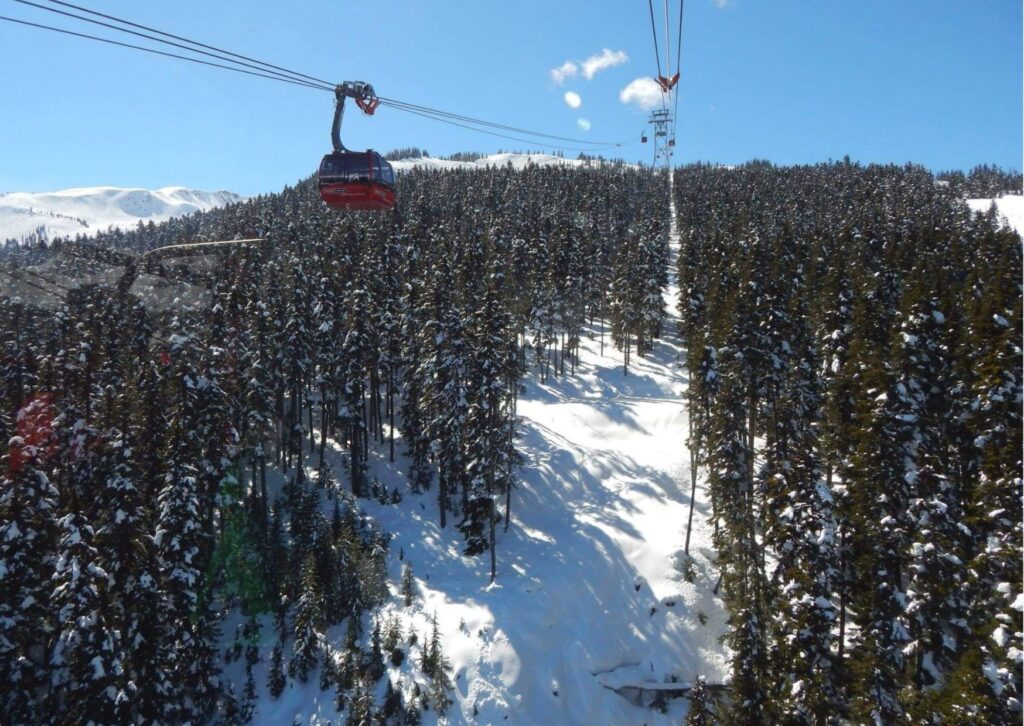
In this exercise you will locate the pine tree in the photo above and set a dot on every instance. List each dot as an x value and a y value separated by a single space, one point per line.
328 668
342 680
412 413
490 452
87 652
376 664
878 513
248 708
625 310
360 705
436 667
699 713
800 529
124 552
936 607
392 706
275 676
732 494
354 354
276 557
182 540
446 399
230 711
309 623
986 682
27 536
408 585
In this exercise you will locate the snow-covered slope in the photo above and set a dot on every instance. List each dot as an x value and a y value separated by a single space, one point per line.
518 161
590 602
1011 208
89 209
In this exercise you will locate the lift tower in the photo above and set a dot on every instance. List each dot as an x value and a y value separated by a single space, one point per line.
661 120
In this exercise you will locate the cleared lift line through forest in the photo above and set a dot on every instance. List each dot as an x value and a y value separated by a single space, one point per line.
610 448
591 613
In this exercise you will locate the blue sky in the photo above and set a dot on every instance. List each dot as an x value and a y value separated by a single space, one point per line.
937 82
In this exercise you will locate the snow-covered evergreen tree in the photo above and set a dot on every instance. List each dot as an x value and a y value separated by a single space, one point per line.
309 623
28 531
87 656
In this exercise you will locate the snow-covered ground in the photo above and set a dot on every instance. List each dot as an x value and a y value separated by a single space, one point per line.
590 596
1011 208
90 209
518 161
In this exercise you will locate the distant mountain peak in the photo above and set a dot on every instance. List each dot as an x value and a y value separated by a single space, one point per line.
518 161
84 210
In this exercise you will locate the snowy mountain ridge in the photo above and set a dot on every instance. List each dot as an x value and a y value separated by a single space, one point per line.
518 161
85 210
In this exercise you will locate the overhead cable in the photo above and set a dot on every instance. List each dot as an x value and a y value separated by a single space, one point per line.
469 119
654 32
161 40
262 69
159 52
679 55
191 42
503 136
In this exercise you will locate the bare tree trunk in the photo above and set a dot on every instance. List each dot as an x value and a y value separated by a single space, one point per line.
490 496
380 413
281 425
377 416
391 415
366 433
751 423
514 388
561 360
508 503
312 441
842 601
323 423
693 488
87 392
442 497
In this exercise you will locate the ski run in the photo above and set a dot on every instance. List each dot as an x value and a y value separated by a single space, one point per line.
590 616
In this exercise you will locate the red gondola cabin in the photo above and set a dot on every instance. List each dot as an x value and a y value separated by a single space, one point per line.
357 180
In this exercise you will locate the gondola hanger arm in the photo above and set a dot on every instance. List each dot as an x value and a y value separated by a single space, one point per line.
364 96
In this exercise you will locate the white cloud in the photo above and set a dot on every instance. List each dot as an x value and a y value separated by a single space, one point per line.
722 3
644 92
566 70
583 124
605 59
573 100
593 65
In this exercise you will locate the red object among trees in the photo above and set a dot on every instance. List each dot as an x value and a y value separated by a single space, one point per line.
357 181
34 426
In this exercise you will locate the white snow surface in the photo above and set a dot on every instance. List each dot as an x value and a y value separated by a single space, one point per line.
589 595
518 161
1010 208
87 210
